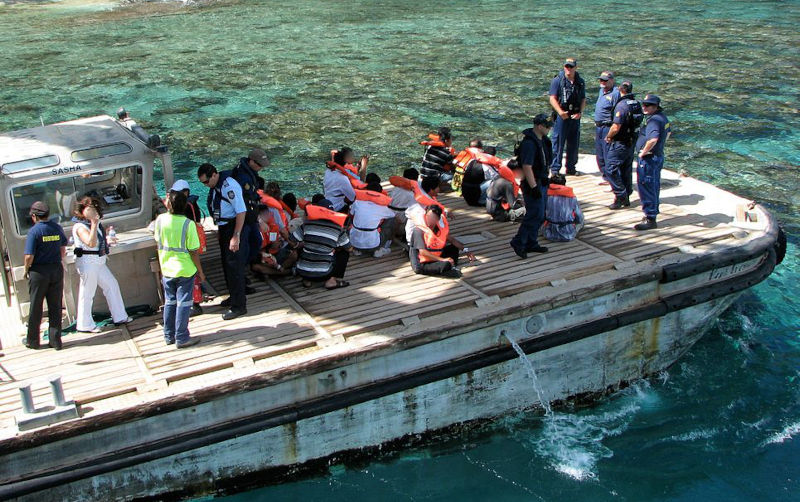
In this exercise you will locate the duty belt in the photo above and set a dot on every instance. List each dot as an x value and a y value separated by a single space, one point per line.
601 123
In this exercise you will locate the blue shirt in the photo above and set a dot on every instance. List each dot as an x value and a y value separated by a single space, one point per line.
571 96
44 241
232 202
606 101
655 126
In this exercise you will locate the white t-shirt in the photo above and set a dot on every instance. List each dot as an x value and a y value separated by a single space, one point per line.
402 199
366 217
415 212
336 188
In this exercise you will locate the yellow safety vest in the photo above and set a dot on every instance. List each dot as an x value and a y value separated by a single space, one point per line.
175 236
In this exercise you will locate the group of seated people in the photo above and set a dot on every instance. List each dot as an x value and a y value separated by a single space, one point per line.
355 215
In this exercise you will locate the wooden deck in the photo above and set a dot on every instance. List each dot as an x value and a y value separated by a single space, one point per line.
131 365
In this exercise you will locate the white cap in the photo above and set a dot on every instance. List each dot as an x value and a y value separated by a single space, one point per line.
179 185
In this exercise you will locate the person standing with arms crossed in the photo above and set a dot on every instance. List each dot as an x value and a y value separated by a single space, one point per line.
533 156
650 146
568 99
45 248
178 245
603 110
227 207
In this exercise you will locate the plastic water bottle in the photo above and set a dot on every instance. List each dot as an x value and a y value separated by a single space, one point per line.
112 236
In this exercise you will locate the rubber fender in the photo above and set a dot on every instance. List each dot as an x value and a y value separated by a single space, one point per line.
780 246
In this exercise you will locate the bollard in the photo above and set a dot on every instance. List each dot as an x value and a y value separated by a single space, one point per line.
26 397
58 391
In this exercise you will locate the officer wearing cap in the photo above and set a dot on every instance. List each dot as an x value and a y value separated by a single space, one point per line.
620 139
45 247
246 174
226 205
603 114
568 99
534 156
650 147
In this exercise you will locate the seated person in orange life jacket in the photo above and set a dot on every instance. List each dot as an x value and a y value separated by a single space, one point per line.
563 216
373 221
432 250
277 256
428 187
502 196
480 168
437 161
323 244
342 178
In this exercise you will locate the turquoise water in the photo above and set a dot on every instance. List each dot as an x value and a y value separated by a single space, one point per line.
215 78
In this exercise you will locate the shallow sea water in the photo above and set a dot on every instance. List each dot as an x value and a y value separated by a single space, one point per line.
215 78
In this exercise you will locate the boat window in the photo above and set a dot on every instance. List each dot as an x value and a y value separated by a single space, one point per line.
118 190
28 164
99 152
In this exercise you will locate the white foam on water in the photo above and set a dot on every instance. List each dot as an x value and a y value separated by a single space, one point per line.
695 435
788 432
573 443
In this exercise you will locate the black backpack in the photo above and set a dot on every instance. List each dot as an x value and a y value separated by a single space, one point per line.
633 120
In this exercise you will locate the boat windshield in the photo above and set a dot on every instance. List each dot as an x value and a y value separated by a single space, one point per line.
118 190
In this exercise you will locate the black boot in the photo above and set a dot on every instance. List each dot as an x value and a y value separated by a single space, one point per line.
54 338
626 201
646 224
619 203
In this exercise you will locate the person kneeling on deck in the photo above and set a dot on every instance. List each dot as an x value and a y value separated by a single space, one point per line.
277 257
324 246
502 196
373 222
432 250
226 205
178 255
535 155
563 216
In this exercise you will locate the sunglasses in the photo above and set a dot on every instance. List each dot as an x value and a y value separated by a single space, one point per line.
207 180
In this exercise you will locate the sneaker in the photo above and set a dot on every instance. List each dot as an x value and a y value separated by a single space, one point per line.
96 329
169 341
381 252
452 273
646 224
233 314
355 252
189 343
196 310
126 321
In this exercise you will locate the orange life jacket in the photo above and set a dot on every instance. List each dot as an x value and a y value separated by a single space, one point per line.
378 198
401 182
434 242
560 191
434 140
321 213
289 213
466 155
350 171
272 225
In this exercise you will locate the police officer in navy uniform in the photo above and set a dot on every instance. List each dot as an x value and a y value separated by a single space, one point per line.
603 115
227 206
650 147
621 138
534 156
568 99
246 174
45 247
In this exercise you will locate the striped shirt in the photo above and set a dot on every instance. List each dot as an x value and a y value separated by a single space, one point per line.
319 238
434 160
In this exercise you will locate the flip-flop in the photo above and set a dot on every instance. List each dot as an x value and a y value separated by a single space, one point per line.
340 283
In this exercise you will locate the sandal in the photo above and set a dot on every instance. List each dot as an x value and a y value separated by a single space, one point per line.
340 283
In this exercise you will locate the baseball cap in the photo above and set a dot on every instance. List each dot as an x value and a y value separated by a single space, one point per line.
570 62
325 203
179 185
39 208
651 99
543 119
259 156
606 75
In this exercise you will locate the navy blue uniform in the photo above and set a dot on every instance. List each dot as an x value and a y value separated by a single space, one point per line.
648 171
619 159
250 182
536 153
46 279
603 115
567 133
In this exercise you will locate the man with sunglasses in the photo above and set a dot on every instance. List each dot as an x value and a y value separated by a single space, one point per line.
568 99
226 205
650 145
